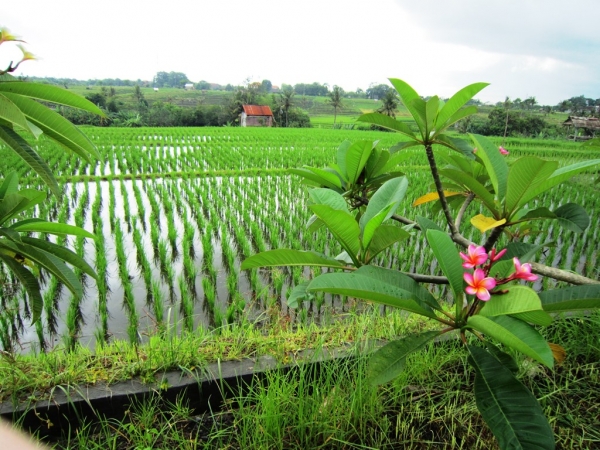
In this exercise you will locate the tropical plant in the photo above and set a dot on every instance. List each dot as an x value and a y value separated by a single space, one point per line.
390 102
21 112
285 101
490 301
336 99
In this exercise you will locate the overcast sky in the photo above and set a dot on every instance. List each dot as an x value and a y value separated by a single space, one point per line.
548 49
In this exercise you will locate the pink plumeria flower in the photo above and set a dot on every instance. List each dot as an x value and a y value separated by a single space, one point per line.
496 256
475 256
479 285
503 151
523 271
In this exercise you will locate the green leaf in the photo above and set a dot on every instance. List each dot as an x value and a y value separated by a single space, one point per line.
341 158
388 122
372 226
343 226
318 177
9 185
31 158
388 287
459 145
560 175
60 229
390 193
356 158
457 101
287 257
572 298
408 96
389 361
507 406
426 224
494 162
314 224
449 260
29 282
50 93
403 145
384 236
328 197
521 301
15 203
472 185
431 112
516 334
524 176
458 115
573 217
48 261
56 127
12 114
298 294
62 253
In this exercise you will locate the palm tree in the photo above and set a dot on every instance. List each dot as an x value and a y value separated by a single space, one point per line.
336 99
507 105
286 101
390 103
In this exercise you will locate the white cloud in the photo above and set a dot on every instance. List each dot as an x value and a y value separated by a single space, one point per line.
539 47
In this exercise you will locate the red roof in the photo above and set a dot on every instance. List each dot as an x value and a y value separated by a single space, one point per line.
255 110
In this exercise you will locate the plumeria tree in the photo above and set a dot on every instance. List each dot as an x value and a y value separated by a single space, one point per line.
22 113
494 309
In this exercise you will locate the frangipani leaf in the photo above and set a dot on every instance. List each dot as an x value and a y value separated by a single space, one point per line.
318 178
388 122
520 301
457 101
507 406
483 223
343 226
356 158
384 286
524 176
389 361
384 236
495 164
515 334
560 175
49 93
288 257
323 196
449 260
573 298
572 217
432 196
390 193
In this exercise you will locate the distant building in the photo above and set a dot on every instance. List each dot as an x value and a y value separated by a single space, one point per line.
189 86
256 116
590 125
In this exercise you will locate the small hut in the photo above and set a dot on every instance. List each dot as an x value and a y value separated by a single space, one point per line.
590 125
256 116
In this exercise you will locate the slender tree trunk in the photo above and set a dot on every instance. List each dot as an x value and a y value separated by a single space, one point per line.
505 127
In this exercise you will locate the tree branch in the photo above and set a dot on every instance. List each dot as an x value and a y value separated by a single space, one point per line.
463 209
561 275
454 234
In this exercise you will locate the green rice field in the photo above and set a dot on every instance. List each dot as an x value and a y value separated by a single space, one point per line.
175 211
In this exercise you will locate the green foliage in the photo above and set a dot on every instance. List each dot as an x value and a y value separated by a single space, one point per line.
363 189
25 255
21 111
508 407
